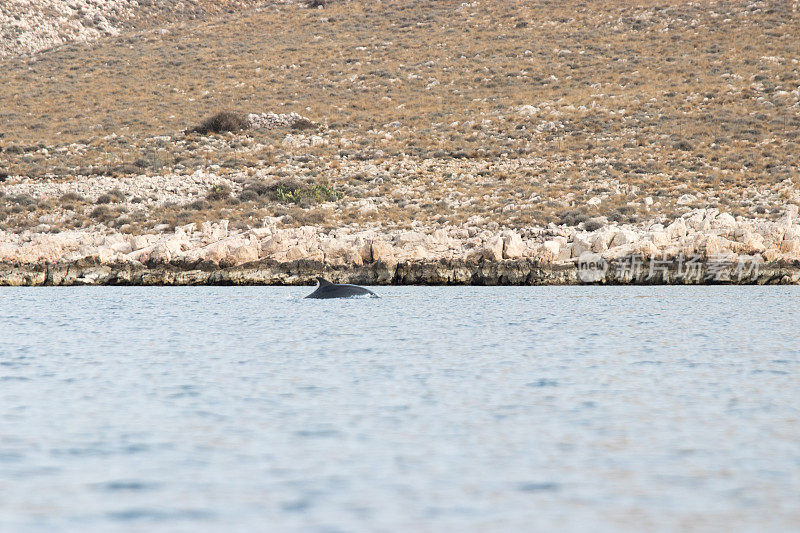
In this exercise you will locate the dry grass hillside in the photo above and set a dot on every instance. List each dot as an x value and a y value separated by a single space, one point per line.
437 112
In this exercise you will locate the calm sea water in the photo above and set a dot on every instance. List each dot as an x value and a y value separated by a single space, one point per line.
430 409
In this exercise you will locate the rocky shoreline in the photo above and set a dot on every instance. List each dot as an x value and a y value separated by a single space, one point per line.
703 246
302 272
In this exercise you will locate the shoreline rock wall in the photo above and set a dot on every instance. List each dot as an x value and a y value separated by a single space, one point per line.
704 246
303 272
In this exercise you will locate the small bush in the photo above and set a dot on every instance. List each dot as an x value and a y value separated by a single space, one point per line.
253 190
122 220
289 191
573 217
317 3
593 224
72 197
199 205
100 212
142 162
311 216
307 195
303 124
231 163
289 183
222 122
218 192
22 199
111 197
248 195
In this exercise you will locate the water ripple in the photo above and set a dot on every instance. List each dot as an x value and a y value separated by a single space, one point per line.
463 408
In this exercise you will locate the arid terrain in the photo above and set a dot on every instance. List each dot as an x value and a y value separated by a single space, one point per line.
478 120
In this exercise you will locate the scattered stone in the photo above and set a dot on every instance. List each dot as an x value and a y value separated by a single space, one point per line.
277 120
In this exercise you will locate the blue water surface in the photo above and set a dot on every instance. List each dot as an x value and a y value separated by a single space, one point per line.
430 409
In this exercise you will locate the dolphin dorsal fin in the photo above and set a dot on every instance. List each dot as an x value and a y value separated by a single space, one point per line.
323 282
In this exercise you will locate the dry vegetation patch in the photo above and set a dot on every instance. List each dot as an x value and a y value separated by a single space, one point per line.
445 112
221 122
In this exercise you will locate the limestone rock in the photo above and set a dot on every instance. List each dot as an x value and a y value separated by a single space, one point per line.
138 242
623 237
791 233
493 250
549 251
243 254
340 252
382 251
141 255
564 251
213 232
647 249
620 252
659 238
677 229
701 219
513 247
296 252
165 251
8 251
215 252
579 246
791 246
715 246
601 240
724 221
123 247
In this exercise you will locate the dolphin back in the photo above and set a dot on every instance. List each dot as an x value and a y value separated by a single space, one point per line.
327 289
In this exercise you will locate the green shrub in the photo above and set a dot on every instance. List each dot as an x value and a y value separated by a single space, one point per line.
218 192
314 193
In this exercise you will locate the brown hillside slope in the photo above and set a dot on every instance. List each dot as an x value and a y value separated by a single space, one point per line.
516 113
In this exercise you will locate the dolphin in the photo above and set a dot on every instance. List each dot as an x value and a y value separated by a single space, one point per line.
326 289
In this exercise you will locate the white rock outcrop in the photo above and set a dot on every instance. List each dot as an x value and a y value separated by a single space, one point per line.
702 232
